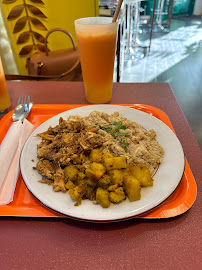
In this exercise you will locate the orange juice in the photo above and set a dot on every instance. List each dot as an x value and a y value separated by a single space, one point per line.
97 45
4 96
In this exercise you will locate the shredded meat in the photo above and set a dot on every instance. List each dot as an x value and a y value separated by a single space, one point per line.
69 138
46 181
59 183
46 168
90 140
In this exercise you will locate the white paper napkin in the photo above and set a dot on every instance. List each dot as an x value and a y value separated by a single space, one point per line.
10 151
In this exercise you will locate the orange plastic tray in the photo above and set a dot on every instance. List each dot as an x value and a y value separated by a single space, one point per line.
26 205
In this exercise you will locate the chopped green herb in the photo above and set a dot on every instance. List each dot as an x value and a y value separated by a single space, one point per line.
125 148
115 133
107 129
118 125
120 134
124 145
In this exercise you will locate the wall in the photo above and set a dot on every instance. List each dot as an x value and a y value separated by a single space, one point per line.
61 13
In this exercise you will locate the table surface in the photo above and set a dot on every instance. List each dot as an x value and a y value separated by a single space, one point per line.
39 243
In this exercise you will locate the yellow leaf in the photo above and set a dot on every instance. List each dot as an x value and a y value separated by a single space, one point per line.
23 37
37 23
20 24
36 11
39 37
8 1
15 12
37 1
26 50
41 48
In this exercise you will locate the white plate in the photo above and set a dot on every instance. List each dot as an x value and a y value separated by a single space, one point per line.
166 179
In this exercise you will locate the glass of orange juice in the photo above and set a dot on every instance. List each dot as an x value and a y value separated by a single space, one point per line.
4 96
97 45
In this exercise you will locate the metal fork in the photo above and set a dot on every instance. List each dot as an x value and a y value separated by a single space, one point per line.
24 101
23 106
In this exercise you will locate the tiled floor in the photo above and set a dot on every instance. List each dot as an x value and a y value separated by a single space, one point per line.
175 57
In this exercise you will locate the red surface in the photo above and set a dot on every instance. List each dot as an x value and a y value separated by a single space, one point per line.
24 204
49 243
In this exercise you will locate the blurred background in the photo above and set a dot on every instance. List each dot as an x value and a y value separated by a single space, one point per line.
159 41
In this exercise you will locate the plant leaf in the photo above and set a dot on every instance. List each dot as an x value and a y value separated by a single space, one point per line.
20 24
37 23
39 37
8 1
41 48
26 50
23 37
37 1
15 12
36 11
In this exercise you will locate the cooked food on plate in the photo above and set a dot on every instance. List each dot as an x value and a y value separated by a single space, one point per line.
101 157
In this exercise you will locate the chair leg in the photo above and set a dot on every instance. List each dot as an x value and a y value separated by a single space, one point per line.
170 13
152 23
118 53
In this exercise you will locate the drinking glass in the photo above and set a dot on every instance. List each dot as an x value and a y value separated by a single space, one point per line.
97 46
4 96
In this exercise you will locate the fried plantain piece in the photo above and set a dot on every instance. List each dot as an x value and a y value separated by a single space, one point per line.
102 197
132 188
143 175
